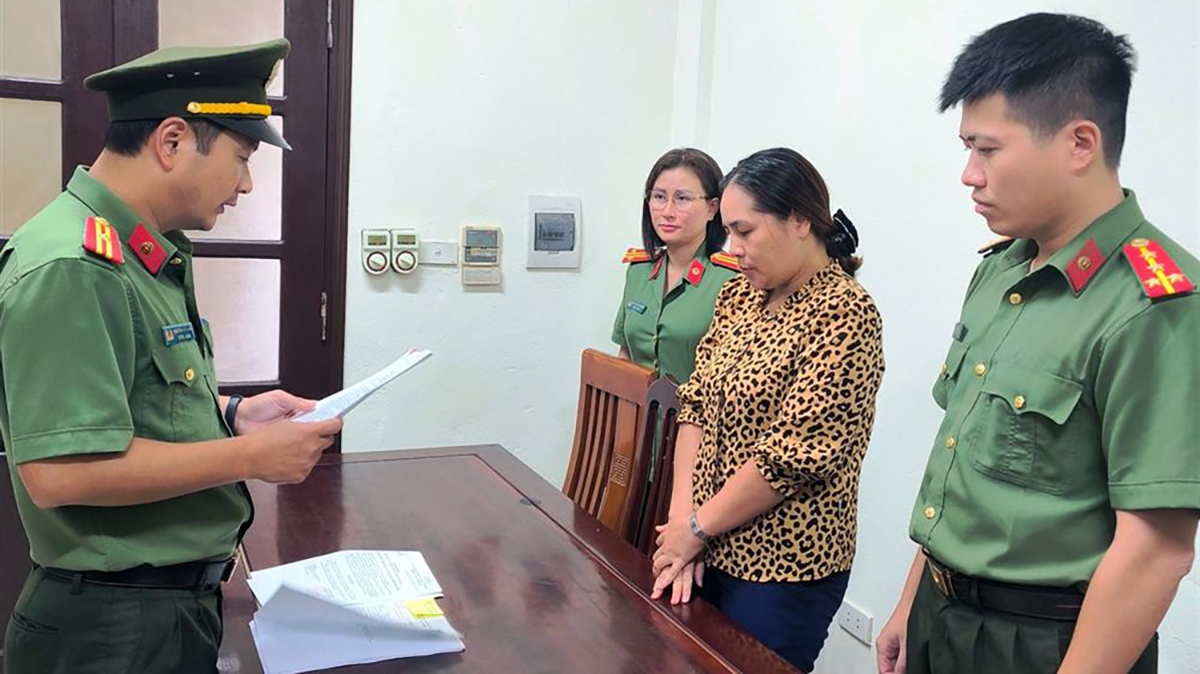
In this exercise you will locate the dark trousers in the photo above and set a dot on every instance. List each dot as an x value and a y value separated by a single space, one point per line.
65 627
791 619
950 636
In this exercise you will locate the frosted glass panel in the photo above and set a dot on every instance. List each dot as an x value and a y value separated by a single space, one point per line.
221 23
240 299
30 39
258 215
30 159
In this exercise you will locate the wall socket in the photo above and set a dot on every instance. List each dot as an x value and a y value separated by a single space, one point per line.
855 621
439 252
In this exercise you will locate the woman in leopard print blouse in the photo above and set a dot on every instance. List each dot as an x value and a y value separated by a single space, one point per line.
776 418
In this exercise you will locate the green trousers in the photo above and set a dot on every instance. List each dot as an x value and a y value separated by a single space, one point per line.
948 636
63 627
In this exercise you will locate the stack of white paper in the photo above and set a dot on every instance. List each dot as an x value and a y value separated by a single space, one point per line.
348 607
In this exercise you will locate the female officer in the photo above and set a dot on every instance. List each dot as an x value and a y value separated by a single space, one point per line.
776 418
672 283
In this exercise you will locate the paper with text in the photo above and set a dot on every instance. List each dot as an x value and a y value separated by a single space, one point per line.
338 404
352 577
297 632
348 607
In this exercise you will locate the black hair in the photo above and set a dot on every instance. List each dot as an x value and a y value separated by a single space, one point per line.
708 172
1051 69
782 183
129 137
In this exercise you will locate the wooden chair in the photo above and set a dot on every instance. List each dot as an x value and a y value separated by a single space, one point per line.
656 470
612 394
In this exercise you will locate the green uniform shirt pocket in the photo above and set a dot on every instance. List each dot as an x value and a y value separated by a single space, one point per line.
188 398
1022 434
949 373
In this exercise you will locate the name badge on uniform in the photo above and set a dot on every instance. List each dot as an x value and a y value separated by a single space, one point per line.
180 332
636 306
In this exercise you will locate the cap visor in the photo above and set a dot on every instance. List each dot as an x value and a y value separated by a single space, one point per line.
254 129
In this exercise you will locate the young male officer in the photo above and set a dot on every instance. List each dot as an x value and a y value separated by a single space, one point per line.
1058 510
126 463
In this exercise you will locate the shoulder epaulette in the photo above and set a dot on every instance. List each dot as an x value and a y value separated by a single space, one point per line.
723 259
1158 274
996 245
101 240
636 255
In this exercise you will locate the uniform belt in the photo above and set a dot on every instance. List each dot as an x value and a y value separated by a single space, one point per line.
186 576
1050 603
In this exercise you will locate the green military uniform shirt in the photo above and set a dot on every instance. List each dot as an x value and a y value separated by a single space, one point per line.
662 331
99 346
1069 393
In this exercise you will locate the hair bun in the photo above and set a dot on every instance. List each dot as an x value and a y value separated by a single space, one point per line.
845 238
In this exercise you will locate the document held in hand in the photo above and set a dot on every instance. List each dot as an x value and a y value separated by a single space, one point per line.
338 404
348 607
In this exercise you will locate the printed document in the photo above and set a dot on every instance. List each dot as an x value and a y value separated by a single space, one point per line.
338 404
348 607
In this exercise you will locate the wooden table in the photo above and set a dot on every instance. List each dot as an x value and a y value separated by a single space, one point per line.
534 584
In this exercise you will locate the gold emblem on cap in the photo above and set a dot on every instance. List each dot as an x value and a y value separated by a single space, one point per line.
1139 243
242 108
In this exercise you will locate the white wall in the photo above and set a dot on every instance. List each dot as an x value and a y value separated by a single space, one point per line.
853 86
460 110
463 108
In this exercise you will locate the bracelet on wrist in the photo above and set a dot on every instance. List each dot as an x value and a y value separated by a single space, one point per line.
694 524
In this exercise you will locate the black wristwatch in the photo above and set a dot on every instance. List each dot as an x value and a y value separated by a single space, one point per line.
231 411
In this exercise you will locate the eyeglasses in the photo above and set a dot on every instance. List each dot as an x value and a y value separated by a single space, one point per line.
682 200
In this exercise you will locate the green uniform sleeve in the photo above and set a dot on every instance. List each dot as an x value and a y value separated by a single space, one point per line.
817 430
691 393
1146 387
67 350
618 333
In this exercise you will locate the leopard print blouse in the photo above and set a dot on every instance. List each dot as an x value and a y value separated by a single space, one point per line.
794 392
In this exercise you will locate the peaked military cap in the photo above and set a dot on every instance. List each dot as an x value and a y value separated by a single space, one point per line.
225 85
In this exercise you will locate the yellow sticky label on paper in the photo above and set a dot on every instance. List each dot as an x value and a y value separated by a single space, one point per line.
423 608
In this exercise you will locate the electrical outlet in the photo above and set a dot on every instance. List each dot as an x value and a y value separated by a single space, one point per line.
855 621
439 252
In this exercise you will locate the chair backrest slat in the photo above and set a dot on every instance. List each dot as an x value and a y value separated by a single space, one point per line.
600 473
659 429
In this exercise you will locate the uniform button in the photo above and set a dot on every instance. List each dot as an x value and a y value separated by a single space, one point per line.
980 369
189 374
1015 298
945 369
950 442
147 248
176 260
930 513
1019 402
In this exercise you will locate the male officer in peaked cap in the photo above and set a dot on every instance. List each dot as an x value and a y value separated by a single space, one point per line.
127 465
